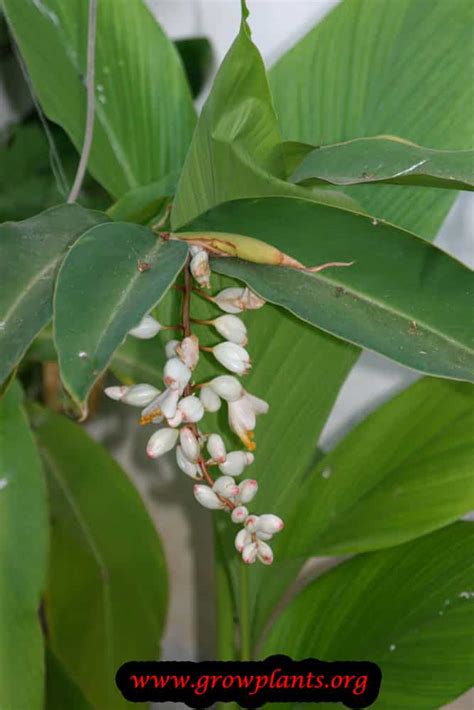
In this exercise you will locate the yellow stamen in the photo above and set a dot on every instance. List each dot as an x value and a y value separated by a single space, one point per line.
247 440
148 418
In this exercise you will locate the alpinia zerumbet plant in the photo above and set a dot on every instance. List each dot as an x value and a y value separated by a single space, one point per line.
183 403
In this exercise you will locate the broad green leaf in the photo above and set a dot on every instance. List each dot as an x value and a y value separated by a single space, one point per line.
61 691
30 254
144 115
387 301
23 559
101 284
398 67
387 159
409 609
236 148
143 203
298 371
106 590
196 55
405 471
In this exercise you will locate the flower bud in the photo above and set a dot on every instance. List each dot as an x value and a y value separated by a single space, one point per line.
170 348
216 448
269 523
250 301
247 490
229 301
263 536
190 469
233 357
264 553
227 387
188 351
225 486
207 498
189 444
191 409
140 395
242 539
116 393
231 328
176 374
200 269
160 442
147 328
249 553
209 399
251 524
234 463
176 420
239 515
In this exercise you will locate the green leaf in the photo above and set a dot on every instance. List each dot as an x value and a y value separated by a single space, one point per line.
106 591
403 472
101 284
387 159
196 55
409 609
61 691
30 254
387 301
400 68
143 203
23 559
236 148
137 69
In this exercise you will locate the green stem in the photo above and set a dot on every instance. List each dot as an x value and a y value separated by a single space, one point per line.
244 613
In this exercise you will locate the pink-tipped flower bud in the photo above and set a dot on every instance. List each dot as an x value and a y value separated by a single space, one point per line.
161 442
209 399
239 515
216 448
227 387
269 523
264 553
190 469
247 490
242 539
249 553
234 463
231 328
233 357
189 444
200 269
191 409
207 498
147 328
251 524
225 486
188 351
176 374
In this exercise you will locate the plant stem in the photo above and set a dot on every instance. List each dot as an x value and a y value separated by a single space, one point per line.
244 613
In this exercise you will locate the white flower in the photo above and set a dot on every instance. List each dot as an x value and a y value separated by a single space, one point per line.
190 469
231 328
191 409
269 524
176 374
233 357
225 486
216 448
252 549
188 351
199 268
247 490
147 328
249 553
227 387
136 395
242 539
239 514
209 399
251 523
170 348
207 498
162 406
189 444
242 417
229 300
160 442
264 552
250 301
235 463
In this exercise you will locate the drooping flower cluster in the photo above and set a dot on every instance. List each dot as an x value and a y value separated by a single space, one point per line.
182 405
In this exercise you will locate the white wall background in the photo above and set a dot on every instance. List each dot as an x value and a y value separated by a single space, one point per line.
185 529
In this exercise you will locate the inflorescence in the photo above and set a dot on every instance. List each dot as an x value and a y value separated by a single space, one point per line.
182 405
